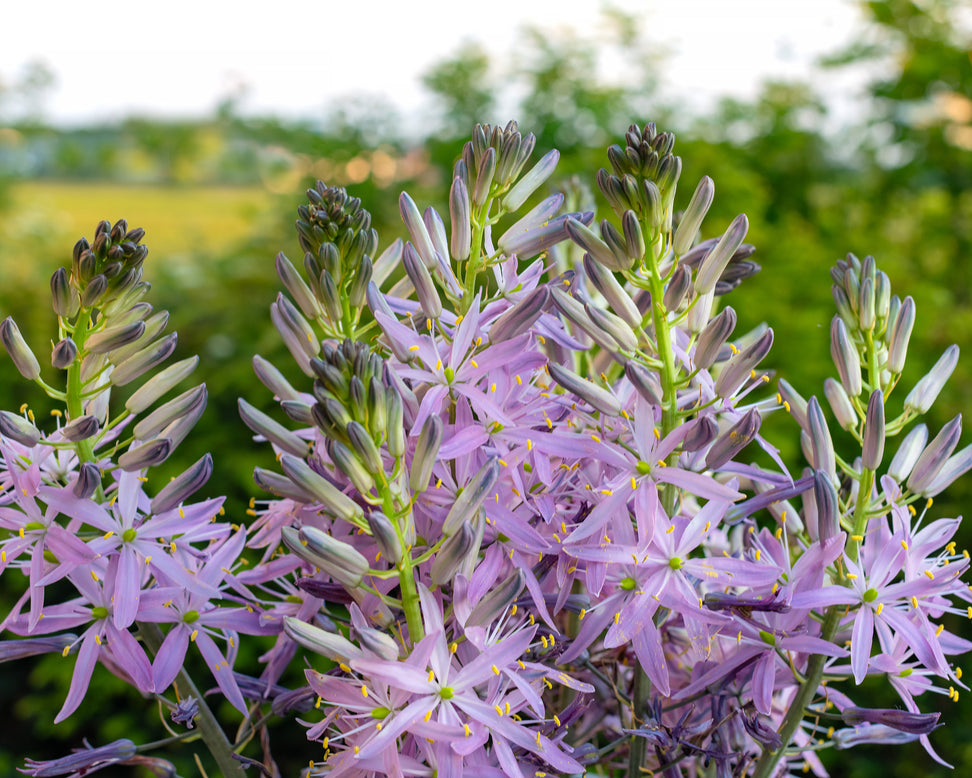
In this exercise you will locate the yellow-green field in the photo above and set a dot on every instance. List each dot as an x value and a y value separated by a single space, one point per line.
176 219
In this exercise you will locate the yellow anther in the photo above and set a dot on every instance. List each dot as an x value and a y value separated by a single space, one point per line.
428 715
519 381
473 363
364 691
495 670
617 617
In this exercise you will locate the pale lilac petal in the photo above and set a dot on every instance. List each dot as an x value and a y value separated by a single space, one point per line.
127 588
172 654
501 654
695 483
861 639
394 725
130 656
83 667
221 670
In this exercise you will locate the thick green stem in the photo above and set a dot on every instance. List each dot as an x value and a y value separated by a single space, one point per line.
75 406
209 729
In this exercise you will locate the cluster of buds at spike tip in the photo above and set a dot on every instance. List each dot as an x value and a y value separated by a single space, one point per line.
862 294
105 272
492 161
339 244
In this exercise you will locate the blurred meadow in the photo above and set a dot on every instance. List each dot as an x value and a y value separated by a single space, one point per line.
218 197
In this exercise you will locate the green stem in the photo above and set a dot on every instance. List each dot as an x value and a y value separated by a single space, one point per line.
209 729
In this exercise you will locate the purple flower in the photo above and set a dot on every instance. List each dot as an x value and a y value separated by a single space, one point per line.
83 761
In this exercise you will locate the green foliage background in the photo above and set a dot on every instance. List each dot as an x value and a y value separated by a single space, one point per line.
218 198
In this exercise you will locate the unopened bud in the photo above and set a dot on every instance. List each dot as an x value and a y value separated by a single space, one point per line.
900 335
273 431
827 505
451 555
930 462
146 455
615 327
169 412
418 274
349 464
417 230
18 428
64 299
840 404
295 284
88 480
471 498
339 559
734 440
426 451
600 399
795 403
64 353
394 423
142 361
23 358
383 531
846 357
926 391
496 600
691 220
645 381
80 428
822 444
271 378
184 485
519 317
531 181
335 647
908 452
874 432
315 487
713 338
715 262
677 287
617 298
594 245
459 215
364 446
902 720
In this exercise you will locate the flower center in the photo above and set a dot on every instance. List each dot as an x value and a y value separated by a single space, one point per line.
129 535
99 612
446 693
870 595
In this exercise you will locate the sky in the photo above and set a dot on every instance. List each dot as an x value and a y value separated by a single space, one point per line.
180 58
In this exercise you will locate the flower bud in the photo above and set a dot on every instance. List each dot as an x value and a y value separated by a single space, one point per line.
64 353
329 295
600 399
703 431
874 431
614 326
421 240
930 462
159 384
471 497
531 181
497 600
64 299
900 335
865 305
93 291
451 555
297 287
280 485
846 358
145 455
184 485
574 310
139 363
88 480
18 428
617 298
908 452
418 274
870 734
270 377
734 440
335 647
840 404
295 332
364 447
957 465
827 505
594 245
377 642
716 260
315 487
339 559
23 358
925 392
797 405
634 240
820 440
459 215
349 464
361 277
394 424
174 409
678 287
713 337
519 317
691 221
700 313
426 451
645 381
383 531
80 428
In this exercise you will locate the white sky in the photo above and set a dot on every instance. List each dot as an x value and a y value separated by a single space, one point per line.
178 58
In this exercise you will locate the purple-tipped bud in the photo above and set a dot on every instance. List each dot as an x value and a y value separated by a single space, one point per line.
873 450
295 284
900 335
452 554
926 391
617 298
159 384
470 499
929 464
691 220
908 452
740 366
364 447
88 480
865 305
827 505
902 720
80 428
715 262
64 299
64 353
574 310
316 488
426 451
23 358
83 761
957 465
139 363
169 412
592 243
614 326
496 600
349 464
532 181
634 240
846 357
146 455
820 440
335 647
601 399
270 377
734 440
417 230
840 404
377 642
18 428
297 335
383 531
418 274
645 381
484 177
184 485
677 287
870 734
341 560
713 337
460 241
394 423
702 433
519 317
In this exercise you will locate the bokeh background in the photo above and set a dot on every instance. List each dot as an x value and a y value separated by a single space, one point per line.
848 128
